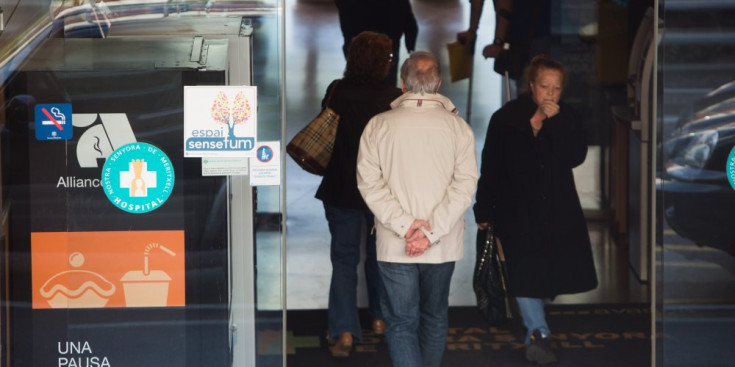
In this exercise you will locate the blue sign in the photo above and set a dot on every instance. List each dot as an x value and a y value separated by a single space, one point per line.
138 178
53 121
265 153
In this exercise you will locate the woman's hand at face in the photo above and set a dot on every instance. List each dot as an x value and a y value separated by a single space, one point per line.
549 108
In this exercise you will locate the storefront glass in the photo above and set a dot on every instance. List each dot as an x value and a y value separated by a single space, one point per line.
142 184
695 185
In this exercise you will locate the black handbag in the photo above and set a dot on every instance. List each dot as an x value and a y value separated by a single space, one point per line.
490 279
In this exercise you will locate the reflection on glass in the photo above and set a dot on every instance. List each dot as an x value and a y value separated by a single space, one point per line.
183 294
696 260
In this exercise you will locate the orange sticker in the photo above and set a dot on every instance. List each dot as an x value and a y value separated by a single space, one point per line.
108 269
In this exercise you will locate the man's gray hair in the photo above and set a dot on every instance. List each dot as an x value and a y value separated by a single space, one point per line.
424 79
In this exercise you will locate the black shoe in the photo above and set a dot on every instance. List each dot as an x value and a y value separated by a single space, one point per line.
539 350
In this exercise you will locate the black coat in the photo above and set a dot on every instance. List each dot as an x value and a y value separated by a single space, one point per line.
355 104
394 18
527 190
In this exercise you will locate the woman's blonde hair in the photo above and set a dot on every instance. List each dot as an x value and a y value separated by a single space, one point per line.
538 63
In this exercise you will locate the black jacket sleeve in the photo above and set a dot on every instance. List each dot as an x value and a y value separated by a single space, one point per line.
490 169
568 136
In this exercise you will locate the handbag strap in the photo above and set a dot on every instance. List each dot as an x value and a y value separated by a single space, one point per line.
491 238
501 254
330 92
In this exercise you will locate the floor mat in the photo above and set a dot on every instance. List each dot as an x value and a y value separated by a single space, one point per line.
583 335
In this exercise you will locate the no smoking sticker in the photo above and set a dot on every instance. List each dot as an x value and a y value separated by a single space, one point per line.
53 121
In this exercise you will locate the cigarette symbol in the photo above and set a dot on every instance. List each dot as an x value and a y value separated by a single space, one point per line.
52 120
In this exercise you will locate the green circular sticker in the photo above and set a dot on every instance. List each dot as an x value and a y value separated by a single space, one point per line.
138 178
730 169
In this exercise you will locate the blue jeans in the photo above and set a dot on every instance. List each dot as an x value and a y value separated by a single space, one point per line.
415 306
346 228
532 312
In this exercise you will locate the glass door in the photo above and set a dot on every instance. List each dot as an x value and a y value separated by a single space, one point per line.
135 232
695 185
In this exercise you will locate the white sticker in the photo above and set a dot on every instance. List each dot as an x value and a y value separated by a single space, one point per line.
265 167
224 166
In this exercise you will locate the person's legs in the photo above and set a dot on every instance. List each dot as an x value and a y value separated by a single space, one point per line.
345 227
435 280
532 312
372 275
401 312
538 344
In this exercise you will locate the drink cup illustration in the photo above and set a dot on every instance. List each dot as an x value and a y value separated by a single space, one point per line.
147 288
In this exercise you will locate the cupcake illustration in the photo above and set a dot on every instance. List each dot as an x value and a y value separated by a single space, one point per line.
77 288
147 288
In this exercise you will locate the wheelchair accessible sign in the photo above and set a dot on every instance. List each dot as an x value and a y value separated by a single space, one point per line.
53 121
138 178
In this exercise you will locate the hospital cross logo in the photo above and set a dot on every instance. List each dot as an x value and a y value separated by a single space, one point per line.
219 121
138 178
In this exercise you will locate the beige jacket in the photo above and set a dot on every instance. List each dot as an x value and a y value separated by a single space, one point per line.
418 161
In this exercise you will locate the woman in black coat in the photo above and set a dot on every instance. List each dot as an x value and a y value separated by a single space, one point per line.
359 96
526 191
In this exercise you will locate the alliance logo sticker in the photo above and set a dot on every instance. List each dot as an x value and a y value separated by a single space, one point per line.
138 178
104 132
730 169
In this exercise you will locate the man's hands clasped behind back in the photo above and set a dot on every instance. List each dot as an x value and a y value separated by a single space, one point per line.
416 240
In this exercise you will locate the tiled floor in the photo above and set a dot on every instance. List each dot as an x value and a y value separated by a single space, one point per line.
313 59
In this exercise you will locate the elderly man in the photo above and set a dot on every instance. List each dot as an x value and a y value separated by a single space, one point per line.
417 171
